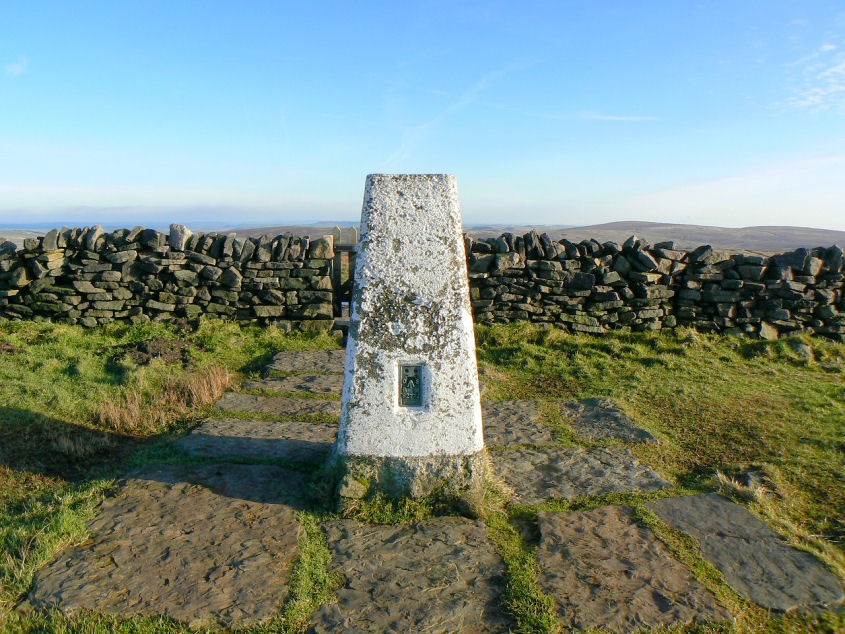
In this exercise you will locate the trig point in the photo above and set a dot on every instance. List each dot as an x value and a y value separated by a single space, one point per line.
411 418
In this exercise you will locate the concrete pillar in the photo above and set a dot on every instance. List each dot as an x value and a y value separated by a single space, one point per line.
411 416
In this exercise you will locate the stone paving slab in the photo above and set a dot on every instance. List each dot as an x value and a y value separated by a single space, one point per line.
441 575
514 423
230 437
280 406
202 544
308 361
570 472
311 383
755 560
598 418
605 569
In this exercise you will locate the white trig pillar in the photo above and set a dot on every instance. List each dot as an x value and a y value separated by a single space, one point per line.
411 417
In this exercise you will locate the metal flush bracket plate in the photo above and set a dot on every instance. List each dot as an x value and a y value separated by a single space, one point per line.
411 385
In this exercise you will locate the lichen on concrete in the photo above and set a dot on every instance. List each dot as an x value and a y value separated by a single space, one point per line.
410 304
458 477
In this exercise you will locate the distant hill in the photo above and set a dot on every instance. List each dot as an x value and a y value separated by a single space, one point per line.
763 239
755 239
734 239
19 235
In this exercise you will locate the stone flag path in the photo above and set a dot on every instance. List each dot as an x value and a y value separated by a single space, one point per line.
443 574
605 569
268 439
201 544
214 543
571 472
754 559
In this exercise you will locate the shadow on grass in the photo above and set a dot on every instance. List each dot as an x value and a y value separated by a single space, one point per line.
30 441
35 444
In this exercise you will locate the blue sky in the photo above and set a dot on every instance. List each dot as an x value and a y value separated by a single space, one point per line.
726 113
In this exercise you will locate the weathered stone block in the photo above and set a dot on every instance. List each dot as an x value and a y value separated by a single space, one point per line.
322 248
160 306
268 311
122 256
211 272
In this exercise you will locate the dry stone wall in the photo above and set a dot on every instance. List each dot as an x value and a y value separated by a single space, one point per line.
89 276
595 287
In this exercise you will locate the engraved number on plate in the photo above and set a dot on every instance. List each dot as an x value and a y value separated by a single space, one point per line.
410 385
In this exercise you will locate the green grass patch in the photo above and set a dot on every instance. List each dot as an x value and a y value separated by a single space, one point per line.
311 583
524 601
65 371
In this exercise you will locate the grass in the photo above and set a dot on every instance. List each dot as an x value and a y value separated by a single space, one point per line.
528 606
311 584
74 418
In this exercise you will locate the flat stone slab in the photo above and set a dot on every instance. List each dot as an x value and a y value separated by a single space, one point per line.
230 437
201 544
441 575
598 418
755 560
605 569
308 361
514 423
538 475
310 383
280 406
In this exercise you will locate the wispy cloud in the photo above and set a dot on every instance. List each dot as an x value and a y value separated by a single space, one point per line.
818 80
615 117
534 114
18 67
568 116
413 135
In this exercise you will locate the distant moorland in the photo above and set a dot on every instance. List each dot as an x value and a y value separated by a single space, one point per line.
757 239
764 239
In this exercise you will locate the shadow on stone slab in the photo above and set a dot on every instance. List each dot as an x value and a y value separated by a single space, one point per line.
308 361
605 569
309 383
597 418
755 560
571 472
289 440
278 405
441 575
514 423
204 544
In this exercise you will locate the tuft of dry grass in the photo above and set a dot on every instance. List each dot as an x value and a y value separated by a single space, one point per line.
137 413
78 443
